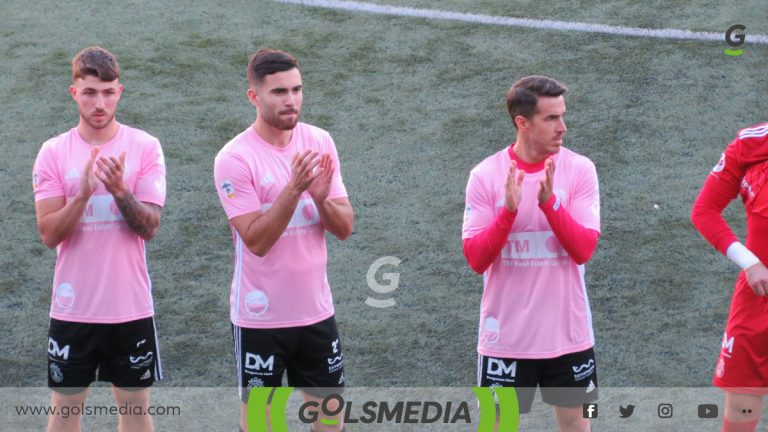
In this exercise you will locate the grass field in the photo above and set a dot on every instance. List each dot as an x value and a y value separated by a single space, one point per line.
413 105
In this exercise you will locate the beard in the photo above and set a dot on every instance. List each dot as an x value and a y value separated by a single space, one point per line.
98 124
277 120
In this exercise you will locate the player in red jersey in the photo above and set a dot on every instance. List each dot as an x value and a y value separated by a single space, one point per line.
742 369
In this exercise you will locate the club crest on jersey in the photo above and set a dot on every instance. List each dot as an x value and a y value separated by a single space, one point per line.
720 165
228 189
490 332
256 302
64 296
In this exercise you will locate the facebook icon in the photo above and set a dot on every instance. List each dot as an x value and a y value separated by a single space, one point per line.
590 411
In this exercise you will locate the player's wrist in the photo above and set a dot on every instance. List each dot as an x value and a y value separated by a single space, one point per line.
509 208
120 194
550 203
292 191
741 256
319 199
506 212
82 197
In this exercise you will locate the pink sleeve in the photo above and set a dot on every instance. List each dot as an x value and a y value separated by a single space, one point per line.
338 190
720 188
234 184
584 204
46 181
150 184
580 242
479 211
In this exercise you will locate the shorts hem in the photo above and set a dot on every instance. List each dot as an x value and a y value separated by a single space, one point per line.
535 356
86 320
281 325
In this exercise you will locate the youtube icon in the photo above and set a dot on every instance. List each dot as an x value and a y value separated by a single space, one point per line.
708 411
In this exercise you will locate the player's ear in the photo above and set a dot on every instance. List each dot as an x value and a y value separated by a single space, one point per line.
521 122
253 96
73 91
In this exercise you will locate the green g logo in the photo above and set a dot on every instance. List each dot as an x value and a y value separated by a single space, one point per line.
509 410
256 412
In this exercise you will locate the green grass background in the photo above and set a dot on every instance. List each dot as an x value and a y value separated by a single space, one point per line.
413 105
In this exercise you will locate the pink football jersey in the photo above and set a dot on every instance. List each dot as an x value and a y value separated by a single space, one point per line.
534 302
101 269
288 287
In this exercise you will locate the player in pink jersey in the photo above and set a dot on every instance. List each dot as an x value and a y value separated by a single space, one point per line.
280 184
742 368
532 220
99 191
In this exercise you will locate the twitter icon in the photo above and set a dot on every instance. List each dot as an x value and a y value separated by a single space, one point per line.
625 412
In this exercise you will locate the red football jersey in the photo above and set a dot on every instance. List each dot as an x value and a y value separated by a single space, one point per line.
743 169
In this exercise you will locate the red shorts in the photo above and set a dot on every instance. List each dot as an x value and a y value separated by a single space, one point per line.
743 363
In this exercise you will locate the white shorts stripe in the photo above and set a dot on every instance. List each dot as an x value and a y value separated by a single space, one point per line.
238 357
158 361
479 369
238 277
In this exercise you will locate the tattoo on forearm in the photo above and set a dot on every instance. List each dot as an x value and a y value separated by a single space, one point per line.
142 218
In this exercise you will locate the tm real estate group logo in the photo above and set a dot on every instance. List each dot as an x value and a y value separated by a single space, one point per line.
497 405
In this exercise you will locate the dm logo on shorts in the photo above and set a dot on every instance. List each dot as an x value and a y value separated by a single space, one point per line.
256 302
65 296
56 374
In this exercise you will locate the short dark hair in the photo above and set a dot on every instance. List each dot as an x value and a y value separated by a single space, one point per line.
523 96
267 61
95 61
